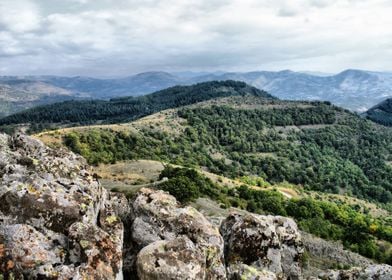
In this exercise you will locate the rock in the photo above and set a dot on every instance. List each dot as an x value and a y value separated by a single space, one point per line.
325 254
156 216
176 259
372 272
56 221
271 243
26 248
245 272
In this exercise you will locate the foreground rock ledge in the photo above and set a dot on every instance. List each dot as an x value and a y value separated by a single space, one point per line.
57 222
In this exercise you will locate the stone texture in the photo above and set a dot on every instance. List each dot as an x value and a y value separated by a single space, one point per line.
156 216
271 243
176 259
325 254
245 272
56 221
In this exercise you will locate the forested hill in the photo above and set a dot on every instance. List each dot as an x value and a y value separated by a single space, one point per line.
381 113
312 144
130 108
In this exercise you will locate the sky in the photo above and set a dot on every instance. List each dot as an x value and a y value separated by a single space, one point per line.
124 37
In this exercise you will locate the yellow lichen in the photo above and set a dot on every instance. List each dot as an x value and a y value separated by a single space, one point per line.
111 219
84 243
83 207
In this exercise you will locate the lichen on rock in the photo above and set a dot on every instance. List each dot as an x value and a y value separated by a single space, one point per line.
157 216
271 243
54 217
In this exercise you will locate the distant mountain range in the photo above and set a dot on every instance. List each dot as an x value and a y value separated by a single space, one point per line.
356 90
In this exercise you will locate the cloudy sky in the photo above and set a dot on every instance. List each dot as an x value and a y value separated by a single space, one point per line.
122 37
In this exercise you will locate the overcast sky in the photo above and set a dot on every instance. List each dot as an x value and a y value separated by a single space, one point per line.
122 37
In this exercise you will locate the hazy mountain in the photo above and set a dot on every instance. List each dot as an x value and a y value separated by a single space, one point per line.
107 88
352 89
18 93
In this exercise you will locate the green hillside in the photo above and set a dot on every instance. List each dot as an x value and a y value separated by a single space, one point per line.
316 145
128 108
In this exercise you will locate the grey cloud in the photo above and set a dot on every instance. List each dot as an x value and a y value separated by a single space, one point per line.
321 3
287 12
97 37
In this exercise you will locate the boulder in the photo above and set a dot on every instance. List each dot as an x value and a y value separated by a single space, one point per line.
271 243
156 216
176 259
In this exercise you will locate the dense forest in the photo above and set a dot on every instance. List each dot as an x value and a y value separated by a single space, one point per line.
335 151
381 113
127 108
327 219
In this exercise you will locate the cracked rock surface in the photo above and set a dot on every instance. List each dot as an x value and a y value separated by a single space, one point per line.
56 221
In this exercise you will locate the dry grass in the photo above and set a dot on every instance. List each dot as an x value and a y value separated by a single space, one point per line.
131 172
373 209
54 138
212 210
165 121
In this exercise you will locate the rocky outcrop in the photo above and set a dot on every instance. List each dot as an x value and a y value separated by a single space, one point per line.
325 254
179 258
56 221
271 243
180 243
160 228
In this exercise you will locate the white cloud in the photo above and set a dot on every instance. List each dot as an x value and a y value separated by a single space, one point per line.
126 36
19 15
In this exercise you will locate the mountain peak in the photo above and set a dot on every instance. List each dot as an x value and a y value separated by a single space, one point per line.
354 73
